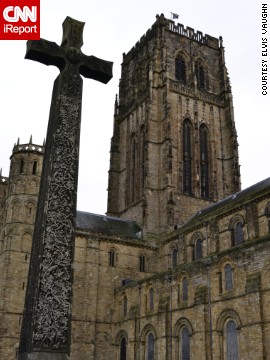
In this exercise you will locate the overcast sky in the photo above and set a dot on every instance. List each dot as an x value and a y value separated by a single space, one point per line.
112 28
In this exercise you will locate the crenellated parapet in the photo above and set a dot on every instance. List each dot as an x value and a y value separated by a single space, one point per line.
178 28
195 35
29 147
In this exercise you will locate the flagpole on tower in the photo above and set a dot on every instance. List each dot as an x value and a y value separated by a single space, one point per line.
174 16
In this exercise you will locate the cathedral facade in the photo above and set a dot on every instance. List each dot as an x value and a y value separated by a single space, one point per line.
179 266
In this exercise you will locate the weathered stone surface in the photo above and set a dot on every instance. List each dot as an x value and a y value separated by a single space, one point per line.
47 315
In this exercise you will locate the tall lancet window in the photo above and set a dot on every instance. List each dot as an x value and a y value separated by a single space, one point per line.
150 347
132 173
200 75
232 343
142 159
204 165
180 69
185 344
123 348
187 158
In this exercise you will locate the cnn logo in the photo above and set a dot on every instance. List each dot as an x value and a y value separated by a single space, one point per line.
20 20
18 13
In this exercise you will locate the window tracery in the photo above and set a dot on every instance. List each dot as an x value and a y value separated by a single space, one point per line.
180 69
200 75
204 161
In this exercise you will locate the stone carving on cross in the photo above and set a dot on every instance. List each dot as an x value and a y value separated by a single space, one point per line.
46 325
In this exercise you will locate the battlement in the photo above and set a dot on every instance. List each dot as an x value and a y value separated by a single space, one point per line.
178 28
195 35
30 147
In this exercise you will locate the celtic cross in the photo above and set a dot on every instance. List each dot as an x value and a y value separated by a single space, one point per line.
46 325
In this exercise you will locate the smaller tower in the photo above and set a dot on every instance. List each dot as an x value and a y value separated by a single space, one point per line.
18 199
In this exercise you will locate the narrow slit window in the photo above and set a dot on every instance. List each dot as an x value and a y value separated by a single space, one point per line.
174 258
112 258
228 277
142 263
151 299
34 170
125 306
21 168
187 158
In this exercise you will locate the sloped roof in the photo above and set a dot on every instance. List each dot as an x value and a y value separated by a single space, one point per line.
107 225
230 202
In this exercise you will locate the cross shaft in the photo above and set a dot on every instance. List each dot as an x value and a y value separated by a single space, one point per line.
46 326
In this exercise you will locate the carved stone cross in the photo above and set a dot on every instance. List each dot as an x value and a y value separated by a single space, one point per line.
46 325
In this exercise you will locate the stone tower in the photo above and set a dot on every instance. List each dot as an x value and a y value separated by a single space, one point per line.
174 148
19 194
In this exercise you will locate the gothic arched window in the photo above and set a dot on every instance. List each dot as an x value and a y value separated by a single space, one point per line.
204 163
123 348
231 341
187 158
184 289
142 263
200 75
185 344
228 277
142 159
238 234
174 257
199 249
132 173
150 347
180 69
132 167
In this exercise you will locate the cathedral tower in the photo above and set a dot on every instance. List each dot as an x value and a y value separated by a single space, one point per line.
17 211
174 148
